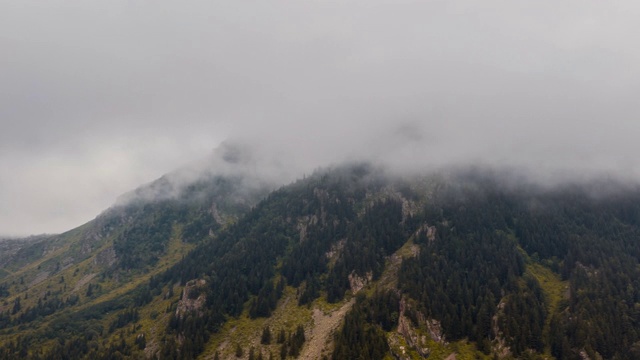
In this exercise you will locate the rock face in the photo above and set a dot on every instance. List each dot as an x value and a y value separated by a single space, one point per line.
42 276
84 281
411 336
500 346
106 257
335 250
357 282
303 223
9 248
429 231
216 214
323 329
193 298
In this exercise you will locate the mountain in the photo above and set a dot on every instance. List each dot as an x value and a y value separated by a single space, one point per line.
351 262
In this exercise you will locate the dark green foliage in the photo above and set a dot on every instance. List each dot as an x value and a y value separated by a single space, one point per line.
362 335
247 251
141 341
592 242
602 312
601 264
141 243
76 333
265 339
5 319
16 306
311 291
291 343
314 233
283 351
43 308
4 290
523 319
369 240
265 302
124 317
89 292
149 226
195 329
328 212
466 273
296 341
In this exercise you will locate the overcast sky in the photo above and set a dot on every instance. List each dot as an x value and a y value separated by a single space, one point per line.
98 97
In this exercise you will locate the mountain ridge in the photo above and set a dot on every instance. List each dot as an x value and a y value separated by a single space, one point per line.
409 263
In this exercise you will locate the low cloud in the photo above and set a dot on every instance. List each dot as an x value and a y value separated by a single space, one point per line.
96 99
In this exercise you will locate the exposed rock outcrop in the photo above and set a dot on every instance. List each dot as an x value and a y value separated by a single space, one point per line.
429 231
106 257
500 347
303 223
411 336
193 298
335 250
356 282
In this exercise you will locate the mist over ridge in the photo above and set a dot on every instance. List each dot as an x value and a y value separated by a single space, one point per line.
98 99
260 168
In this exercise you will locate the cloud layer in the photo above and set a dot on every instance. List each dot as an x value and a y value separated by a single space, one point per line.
99 97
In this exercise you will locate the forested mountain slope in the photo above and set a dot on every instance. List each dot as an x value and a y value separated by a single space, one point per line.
406 266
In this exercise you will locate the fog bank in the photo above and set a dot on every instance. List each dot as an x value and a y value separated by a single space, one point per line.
98 98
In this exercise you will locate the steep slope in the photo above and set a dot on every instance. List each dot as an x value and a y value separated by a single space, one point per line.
348 263
48 281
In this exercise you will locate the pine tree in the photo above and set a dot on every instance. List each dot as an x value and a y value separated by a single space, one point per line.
265 339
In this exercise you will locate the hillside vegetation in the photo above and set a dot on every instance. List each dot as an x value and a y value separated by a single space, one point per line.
349 263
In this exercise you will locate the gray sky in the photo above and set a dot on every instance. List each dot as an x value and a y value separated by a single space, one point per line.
98 97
